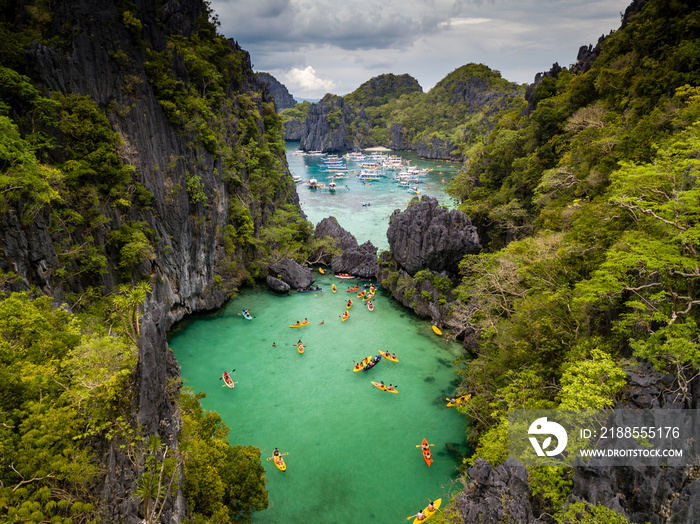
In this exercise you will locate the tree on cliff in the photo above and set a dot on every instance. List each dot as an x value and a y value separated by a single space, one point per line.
588 208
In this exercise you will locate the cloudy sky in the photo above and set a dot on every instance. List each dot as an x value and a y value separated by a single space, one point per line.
316 47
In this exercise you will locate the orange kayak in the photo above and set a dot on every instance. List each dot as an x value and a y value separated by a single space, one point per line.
426 452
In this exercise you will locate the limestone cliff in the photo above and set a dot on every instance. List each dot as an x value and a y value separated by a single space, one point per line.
166 167
282 96
192 188
393 111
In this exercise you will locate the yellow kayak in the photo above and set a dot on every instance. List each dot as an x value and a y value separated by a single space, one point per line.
429 513
388 356
333 288
279 462
299 324
383 387
437 331
457 400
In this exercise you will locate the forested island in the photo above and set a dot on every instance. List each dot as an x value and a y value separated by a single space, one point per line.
144 179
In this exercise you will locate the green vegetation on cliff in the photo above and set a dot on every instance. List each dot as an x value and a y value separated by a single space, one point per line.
589 207
79 222
454 116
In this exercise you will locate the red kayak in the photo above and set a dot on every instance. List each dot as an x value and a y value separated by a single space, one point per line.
227 379
425 447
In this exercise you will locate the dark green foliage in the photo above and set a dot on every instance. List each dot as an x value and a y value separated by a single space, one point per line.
383 89
223 482
66 382
299 112
47 469
589 209
132 245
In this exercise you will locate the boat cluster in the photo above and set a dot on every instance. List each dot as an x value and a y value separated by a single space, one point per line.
367 168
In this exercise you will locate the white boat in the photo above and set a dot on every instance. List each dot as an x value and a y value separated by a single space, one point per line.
297 179
331 186
355 156
370 175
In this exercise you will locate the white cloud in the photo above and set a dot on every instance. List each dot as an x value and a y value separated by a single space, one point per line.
307 80
350 42
463 21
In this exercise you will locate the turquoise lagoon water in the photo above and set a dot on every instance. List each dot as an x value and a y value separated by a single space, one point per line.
352 448
346 203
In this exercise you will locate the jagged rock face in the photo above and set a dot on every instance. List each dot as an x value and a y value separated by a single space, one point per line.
325 125
156 368
360 261
293 129
426 236
497 495
187 236
645 494
293 274
283 99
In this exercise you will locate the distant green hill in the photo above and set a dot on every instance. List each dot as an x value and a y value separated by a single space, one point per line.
392 111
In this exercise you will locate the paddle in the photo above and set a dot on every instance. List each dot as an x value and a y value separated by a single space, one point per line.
419 445
224 385
285 453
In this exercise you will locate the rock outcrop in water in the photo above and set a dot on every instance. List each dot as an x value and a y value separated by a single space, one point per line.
421 269
360 261
392 111
427 236
354 259
291 273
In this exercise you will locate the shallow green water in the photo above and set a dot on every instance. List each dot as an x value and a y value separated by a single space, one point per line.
352 448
